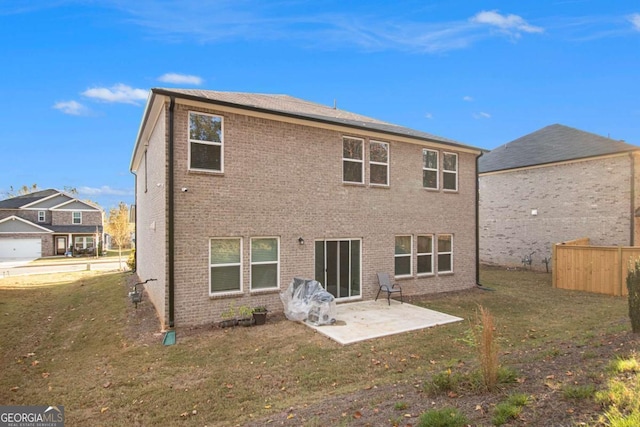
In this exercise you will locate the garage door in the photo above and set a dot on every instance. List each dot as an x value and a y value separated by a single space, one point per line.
20 248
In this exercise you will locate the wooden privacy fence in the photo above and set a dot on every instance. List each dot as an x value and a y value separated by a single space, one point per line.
600 269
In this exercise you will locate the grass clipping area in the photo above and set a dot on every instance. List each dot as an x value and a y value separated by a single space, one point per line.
75 340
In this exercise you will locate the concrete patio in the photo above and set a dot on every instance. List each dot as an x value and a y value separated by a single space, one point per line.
359 321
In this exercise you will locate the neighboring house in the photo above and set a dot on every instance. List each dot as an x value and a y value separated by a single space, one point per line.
48 223
554 185
238 193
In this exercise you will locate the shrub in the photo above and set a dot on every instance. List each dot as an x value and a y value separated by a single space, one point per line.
633 286
131 261
487 348
445 417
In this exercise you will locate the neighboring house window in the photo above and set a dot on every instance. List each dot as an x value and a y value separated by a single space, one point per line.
403 254
76 218
378 163
425 254
206 150
225 258
265 263
450 171
83 242
430 169
352 160
42 216
445 253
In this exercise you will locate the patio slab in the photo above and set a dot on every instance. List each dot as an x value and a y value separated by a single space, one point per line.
359 321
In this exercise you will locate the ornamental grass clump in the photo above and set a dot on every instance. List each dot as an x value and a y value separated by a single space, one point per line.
487 348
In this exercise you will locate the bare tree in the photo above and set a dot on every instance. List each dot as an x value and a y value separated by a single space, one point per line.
25 189
119 228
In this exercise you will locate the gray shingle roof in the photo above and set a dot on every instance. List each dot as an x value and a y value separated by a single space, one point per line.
295 107
19 201
552 144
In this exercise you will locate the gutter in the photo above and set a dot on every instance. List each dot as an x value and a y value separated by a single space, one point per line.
170 213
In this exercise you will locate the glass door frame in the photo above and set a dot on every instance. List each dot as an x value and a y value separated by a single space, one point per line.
337 261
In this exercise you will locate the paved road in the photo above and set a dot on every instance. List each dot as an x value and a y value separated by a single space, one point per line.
24 268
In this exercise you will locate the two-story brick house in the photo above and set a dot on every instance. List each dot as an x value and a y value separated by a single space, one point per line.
554 185
238 193
48 223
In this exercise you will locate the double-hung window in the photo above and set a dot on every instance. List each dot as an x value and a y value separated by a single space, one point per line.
42 216
352 160
425 254
445 253
450 171
206 148
403 255
430 169
265 263
378 163
76 218
225 265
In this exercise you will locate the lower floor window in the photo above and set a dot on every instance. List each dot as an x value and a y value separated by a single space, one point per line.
445 253
425 254
225 264
403 255
265 263
83 242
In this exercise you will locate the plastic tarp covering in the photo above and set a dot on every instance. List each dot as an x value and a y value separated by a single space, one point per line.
306 300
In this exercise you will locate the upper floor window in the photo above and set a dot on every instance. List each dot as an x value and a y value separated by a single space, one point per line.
403 255
425 254
206 150
352 160
430 169
225 265
445 253
76 218
42 216
450 171
265 263
378 163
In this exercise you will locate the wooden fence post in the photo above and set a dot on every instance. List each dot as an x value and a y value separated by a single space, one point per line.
554 265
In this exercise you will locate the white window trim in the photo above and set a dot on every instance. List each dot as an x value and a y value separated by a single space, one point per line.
361 161
251 264
73 217
371 162
455 172
410 255
438 253
234 292
42 216
418 254
197 141
436 170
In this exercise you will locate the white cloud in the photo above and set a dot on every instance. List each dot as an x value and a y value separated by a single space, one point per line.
510 24
468 98
73 108
105 190
428 116
481 115
176 78
635 21
117 93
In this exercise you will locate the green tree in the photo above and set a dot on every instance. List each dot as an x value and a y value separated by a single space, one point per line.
119 228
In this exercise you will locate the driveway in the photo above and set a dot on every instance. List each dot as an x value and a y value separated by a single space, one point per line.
25 268
6 264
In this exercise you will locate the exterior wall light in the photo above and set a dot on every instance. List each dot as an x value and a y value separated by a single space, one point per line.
301 240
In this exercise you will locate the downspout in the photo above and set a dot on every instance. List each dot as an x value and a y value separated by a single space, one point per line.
135 220
478 284
170 213
633 199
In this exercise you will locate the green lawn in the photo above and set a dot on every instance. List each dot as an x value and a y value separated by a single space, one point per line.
75 340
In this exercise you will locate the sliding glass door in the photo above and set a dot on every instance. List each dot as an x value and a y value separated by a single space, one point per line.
338 266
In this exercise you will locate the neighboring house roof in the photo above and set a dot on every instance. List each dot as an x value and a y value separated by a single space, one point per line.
551 144
49 199
295 107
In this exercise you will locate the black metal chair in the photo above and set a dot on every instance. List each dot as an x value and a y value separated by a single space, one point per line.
386 286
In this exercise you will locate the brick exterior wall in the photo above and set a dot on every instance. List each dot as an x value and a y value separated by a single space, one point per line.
590 198
284 179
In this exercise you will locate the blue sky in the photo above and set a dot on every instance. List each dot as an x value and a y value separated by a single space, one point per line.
75 74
